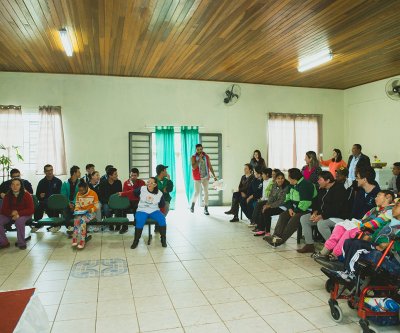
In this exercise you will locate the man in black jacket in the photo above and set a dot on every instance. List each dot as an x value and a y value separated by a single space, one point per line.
108 187
330 203
5 187
357 160
47 186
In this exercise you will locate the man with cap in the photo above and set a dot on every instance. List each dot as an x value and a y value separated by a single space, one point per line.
166 186
201 168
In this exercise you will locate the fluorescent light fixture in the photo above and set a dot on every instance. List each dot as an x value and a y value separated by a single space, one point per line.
66 41
315 60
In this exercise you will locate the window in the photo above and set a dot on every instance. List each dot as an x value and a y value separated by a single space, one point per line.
290 136
31 120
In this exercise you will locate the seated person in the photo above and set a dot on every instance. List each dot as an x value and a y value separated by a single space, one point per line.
17 208
254 193
371 249
5 186
298 200
367 189
47 186
342 176
107 188
312 169
266 189
272 206
150 202
105 176
94 184
394 183
86 205
128 191
330 203
165 185
241 194
69 189
335 162
89 170
373 219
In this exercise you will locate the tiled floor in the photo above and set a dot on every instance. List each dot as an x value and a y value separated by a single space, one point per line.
213 277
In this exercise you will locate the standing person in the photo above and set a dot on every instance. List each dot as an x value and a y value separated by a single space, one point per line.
298 200
312 169
128 191
151 200
335 162
394 183
108 187
69 189
89 170
17 208
201 168
86 205
240 195
330 203
257 160
357 160
5 186
47 186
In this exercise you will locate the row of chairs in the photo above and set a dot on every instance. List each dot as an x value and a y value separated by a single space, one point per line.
59 204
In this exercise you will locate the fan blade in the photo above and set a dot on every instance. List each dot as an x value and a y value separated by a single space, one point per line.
395 83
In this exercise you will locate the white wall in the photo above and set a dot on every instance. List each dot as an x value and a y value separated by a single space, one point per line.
372 119
98 112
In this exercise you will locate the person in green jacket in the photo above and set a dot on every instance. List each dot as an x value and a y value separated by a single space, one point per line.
166 186
298 201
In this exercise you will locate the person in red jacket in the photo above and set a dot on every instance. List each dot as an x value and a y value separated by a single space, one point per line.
127 191
17 208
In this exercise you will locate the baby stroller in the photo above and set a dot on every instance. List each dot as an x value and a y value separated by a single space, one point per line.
371 282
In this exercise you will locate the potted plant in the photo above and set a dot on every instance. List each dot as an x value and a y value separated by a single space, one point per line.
6 162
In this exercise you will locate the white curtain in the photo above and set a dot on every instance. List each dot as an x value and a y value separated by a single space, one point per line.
290 136
51 149
11 126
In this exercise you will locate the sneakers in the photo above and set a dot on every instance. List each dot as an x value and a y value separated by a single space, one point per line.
259 233
229 212
235 219
346 276
192 208
251 225
206 210
123 230
318 255
274 240
54 229
74 242
81 244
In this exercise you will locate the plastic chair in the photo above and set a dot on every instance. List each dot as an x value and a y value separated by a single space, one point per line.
118 205
58 203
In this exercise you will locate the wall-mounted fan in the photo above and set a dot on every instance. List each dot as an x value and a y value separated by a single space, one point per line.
232 94
393 89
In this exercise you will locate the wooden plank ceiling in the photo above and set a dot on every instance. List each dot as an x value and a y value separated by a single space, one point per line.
234 40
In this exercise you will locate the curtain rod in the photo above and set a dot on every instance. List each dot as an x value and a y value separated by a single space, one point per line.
295 114
175 126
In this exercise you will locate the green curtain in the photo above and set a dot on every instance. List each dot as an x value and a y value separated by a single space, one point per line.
189 139
165 154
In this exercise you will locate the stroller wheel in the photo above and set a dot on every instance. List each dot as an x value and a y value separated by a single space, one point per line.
366 328
350 304
329 284
336 313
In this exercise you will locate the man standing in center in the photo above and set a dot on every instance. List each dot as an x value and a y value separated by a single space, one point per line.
201 168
